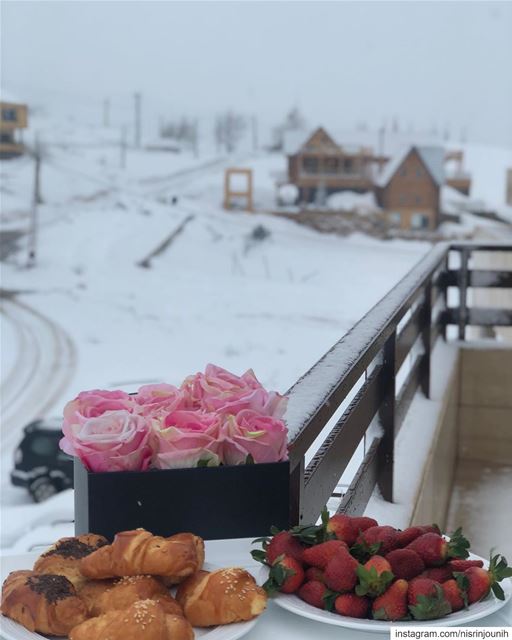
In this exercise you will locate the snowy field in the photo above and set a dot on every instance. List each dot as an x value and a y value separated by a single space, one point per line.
216 294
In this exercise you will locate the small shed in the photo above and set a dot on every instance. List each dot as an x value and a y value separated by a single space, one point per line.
13 119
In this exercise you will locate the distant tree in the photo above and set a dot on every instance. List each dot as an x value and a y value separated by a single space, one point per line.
183 130
228 130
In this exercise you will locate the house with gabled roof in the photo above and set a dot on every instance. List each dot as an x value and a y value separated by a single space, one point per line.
408 189
320 166
13 119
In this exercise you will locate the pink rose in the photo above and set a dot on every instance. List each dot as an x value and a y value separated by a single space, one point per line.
91 404
219 390
188 439
263 438
114 441
157 400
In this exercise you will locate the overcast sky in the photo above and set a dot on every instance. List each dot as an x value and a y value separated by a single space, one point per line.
341 62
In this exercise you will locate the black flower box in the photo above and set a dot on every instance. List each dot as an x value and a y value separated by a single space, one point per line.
212 502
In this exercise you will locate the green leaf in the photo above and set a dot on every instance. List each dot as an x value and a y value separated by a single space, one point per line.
274 530
263 540
463 584
372 583
363 551
259 555
458 545
498 591
329 599
431 607
325 516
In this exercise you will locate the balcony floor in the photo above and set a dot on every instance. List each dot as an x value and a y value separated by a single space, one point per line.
482 504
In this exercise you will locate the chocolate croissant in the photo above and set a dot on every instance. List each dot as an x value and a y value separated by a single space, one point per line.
45 603
221 597
144 619
63 558
102 596
139 552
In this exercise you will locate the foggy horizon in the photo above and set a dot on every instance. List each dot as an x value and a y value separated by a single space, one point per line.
424 64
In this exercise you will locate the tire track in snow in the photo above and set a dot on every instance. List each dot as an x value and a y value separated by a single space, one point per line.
45 363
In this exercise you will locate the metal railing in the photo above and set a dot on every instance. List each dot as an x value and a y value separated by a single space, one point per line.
358 376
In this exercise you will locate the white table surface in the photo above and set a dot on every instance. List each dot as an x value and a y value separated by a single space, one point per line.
284 625
278 624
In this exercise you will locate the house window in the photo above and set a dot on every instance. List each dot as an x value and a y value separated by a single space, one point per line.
403 199
6 137
348 165
9 115
331 165
310 165
403 171
395 218
419 221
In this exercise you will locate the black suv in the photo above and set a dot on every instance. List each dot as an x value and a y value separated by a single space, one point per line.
39 463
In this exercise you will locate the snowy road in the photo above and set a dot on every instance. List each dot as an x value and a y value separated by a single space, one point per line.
38 375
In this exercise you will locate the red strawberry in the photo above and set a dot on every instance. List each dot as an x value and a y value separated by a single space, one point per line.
439 574
384 536
348 604
392 604
314 573
340 573
406 536
313 593
426 599
405 563
462 565
283 543
320 554
480 581
435 550
342 527
286 575
455 596
374 577
361 523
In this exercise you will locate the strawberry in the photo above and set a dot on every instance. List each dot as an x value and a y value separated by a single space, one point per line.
392 604
348 604
405 563
462 565
361 523
374 577
426 599
283 543
480 581
435 550
384 536
439 574
313 592
342 527
406 536
454 594
340 573
286 575
314 573
320 554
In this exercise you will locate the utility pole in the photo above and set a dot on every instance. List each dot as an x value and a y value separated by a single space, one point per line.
122 147
137 104
36 201
254 127
106 112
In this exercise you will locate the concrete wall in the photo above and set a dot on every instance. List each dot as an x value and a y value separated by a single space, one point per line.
474 425
485 404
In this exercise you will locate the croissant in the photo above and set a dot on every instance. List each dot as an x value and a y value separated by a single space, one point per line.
63 558
102 596
170 581
45 603
221 597
139 552
143 619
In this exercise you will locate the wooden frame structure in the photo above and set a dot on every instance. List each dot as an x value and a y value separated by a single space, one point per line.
230 194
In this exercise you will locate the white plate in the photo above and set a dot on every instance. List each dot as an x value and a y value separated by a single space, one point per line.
10 630
475 612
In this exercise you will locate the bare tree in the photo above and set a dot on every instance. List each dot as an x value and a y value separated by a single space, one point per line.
229 128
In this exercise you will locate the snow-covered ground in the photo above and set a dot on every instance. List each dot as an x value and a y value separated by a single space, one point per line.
215 295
